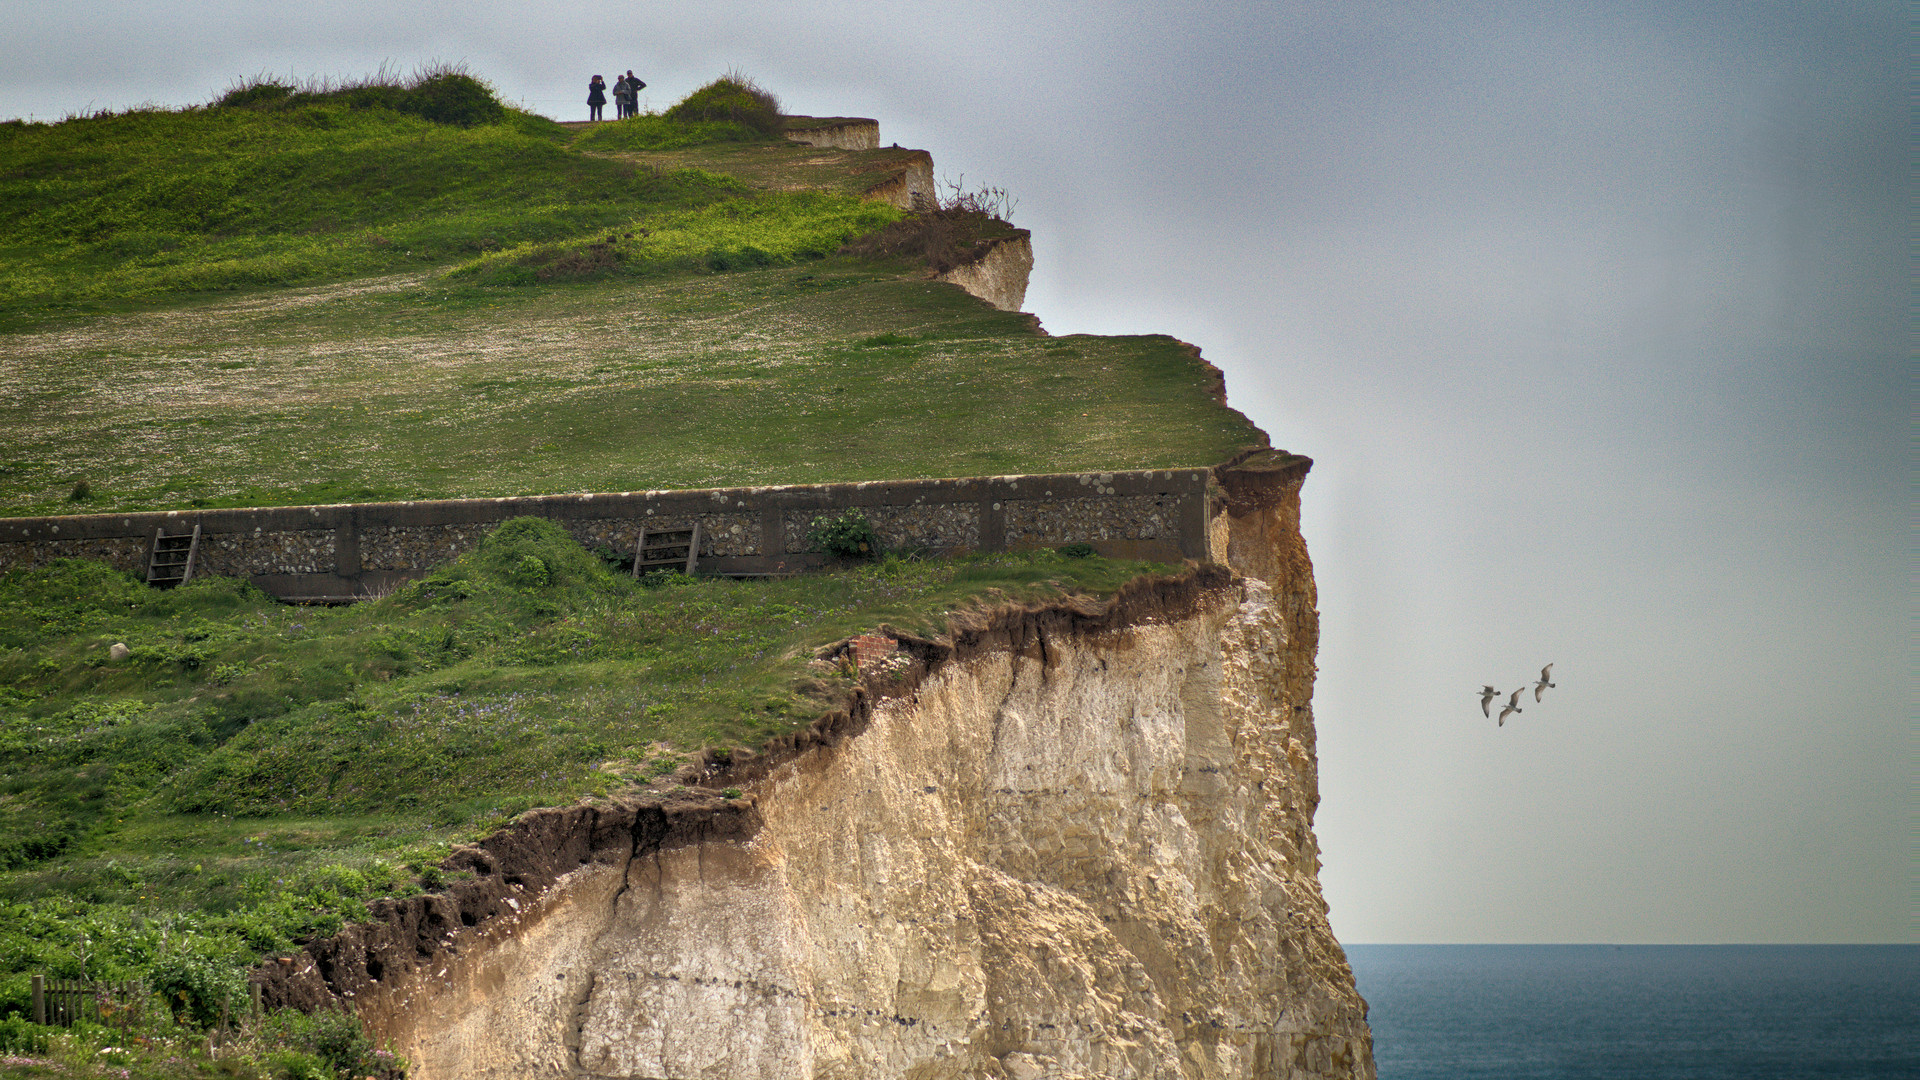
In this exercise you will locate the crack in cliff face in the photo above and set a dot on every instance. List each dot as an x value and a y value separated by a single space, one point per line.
583 1000
577 1018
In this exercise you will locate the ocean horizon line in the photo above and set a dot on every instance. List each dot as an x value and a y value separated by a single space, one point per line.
1634 944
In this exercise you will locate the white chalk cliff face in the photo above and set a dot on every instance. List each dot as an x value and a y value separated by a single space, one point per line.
1079 848
1000 276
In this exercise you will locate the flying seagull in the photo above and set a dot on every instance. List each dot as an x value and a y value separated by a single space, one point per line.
1543 685
1513 706
1487 694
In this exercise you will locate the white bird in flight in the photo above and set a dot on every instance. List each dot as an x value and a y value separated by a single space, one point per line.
1487 694
1513 706
1543 685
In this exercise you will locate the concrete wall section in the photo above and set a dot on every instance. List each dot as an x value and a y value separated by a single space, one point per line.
348 550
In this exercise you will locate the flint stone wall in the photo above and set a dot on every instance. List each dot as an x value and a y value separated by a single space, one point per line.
346 550
307 551
120 552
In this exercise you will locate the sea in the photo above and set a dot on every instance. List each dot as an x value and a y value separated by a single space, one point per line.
1642 1012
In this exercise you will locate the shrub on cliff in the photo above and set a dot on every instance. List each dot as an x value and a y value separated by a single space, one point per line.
453 97
846 535
254 93
528 553
327 1043
732 97
943 238
958 230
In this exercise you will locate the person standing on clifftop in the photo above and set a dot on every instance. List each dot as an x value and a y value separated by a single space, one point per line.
635 84
596 98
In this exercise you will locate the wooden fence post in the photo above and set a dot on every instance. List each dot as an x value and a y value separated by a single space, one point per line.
40 999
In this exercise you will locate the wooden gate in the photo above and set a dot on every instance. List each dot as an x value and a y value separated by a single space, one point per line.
64 1002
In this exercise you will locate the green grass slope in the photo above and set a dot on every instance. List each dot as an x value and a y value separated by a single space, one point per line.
836 370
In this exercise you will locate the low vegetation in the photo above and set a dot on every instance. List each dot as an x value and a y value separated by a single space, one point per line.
772 229
649 131
138 1042
941 238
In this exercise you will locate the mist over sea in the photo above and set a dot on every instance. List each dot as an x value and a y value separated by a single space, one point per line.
1642 1012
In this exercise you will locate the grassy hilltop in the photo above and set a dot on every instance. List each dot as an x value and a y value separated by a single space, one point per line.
401 289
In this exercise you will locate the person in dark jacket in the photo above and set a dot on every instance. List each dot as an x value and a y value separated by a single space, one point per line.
596 98
634 85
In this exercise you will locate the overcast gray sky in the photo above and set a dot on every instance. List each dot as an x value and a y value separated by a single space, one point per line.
1593 316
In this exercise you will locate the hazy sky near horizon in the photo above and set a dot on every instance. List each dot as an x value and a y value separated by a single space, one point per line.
1594 317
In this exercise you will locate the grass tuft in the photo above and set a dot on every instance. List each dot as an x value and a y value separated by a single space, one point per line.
735 98
442 93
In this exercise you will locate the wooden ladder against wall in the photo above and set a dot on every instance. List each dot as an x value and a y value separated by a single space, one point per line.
666 549
170 562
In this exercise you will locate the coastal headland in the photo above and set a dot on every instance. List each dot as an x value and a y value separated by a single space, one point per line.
969 733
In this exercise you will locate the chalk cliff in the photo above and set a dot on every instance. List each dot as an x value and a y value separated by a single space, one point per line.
1071 841
1000 275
